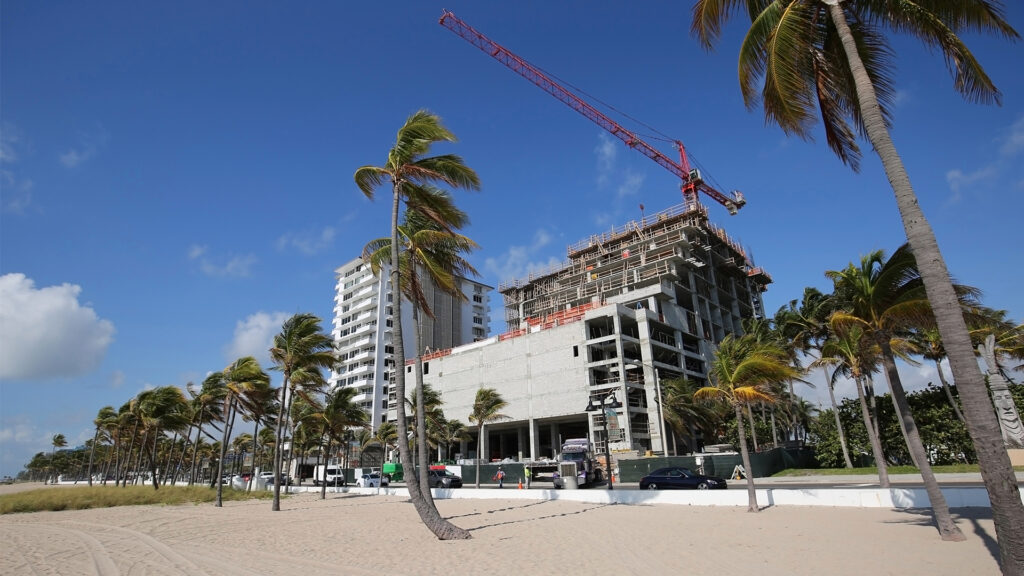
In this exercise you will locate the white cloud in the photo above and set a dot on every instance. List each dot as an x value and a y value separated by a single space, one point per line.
89 147
520 261
605 152
45 333
631 184
255 335
195 251
1014 141
308 242
239 266
958 180
9 140
17 192
1011 144
17 197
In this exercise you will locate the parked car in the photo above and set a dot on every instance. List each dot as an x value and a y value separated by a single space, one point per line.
675 478
443 479
372 480
268 477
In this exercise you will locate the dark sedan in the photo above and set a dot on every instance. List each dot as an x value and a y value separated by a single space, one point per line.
676 478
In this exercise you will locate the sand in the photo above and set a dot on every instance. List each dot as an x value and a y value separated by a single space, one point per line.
382 536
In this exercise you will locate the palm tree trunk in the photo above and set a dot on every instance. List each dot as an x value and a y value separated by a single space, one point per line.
994 461
195 451
443 529
170 456
479 451
775 433
128 455
753 428
876 444
282 422
92 452
421 411
745 454
947 528
839 423
153 459
323 481
255 454
181 457
948 391
229 405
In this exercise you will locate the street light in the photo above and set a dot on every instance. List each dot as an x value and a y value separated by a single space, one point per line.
591 407
661 410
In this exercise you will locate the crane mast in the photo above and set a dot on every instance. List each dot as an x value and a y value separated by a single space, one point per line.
692 183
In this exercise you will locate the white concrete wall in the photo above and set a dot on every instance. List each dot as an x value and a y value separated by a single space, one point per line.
736 495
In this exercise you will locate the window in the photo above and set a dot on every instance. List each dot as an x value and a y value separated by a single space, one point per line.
575 351
426 367
478 320
478 298
384 404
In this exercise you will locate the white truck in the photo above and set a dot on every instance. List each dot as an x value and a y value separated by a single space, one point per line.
575 459
331 474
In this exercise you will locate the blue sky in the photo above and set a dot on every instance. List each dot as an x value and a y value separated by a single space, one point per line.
176 178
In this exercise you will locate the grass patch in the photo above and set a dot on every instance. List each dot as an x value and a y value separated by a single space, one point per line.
952 468
85 497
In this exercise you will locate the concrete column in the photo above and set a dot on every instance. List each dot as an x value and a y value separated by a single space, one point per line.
519 443
533 439
555 445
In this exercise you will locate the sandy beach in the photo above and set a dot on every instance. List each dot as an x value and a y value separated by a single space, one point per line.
382 535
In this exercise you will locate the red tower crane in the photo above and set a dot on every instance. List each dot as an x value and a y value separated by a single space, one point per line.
692 183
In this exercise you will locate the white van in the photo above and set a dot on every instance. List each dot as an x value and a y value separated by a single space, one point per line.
331 474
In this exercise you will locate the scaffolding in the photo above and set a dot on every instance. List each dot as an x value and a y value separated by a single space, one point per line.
668 245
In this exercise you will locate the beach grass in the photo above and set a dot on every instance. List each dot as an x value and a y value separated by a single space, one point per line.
85 497
945 469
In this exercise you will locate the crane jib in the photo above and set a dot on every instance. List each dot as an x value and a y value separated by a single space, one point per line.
692 182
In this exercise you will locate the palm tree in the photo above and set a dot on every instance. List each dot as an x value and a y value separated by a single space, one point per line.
59 441
340 414
161 409
486 408
103 418
239 377
929 343
412 175
300 351
436 250
682 412
807 52
450 432
854 356
740 373
886 298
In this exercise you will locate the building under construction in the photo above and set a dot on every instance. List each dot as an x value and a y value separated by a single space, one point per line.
630 308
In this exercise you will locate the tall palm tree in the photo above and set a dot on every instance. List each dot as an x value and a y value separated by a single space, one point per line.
58 441
681 410
340 414
835 54
103 419
431 254
300 352
450 432
740 374
851 354
412 173
160 409
886 298
240 376
487 408
929 343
